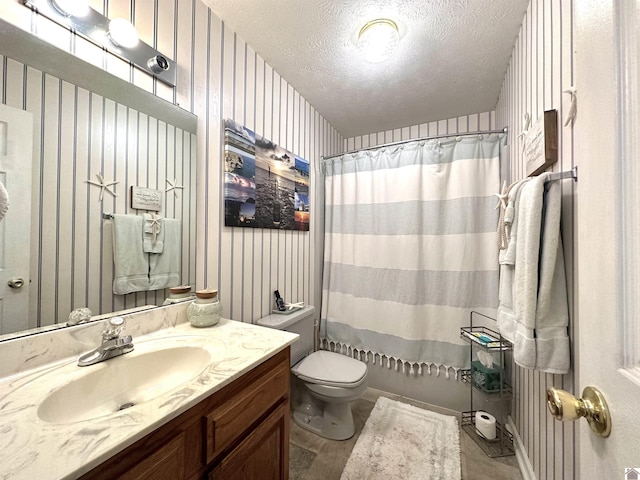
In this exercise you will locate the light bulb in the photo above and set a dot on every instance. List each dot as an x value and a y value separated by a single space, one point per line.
378 40
122 33
71 8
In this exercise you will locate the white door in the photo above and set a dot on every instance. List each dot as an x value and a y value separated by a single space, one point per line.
608 317
16 137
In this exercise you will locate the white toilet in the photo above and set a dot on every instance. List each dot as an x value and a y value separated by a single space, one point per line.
324 382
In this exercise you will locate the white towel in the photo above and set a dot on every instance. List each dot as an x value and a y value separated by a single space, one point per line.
131 263
508 255
507 259
533 310
165 266
525 281
152 241
552 310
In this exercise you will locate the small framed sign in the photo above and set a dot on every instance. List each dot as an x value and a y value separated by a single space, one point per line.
146 199
541 143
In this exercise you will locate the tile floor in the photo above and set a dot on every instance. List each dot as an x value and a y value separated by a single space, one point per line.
315 458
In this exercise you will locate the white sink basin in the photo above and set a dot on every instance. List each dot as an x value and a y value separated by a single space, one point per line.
123 382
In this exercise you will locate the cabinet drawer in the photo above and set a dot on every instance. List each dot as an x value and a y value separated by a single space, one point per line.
234 417
166 463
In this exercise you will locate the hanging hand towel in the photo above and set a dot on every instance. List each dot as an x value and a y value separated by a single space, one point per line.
153 234
525 284
507 257
165 266
552 310
131 272
4 201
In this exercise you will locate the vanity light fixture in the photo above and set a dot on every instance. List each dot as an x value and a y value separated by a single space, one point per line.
122 33
71 8
378 39
117 36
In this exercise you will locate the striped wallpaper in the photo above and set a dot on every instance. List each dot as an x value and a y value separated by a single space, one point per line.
466 124
247 265
220 76
541 67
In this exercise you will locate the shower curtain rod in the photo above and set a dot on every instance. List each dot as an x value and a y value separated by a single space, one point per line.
448 135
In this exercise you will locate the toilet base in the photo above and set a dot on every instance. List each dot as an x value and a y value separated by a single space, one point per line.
334 423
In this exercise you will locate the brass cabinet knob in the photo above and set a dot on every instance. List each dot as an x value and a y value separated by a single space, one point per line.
565 406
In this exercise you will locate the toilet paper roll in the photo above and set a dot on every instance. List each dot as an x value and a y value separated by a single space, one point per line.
486 425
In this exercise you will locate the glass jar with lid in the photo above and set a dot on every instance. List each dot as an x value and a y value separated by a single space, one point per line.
205 310
179 294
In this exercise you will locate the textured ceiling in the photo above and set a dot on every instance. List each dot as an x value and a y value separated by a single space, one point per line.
451 61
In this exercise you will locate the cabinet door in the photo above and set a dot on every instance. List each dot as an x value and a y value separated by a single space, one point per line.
227 422
262 455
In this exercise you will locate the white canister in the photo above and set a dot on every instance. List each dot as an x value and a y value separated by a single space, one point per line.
205 310
179 294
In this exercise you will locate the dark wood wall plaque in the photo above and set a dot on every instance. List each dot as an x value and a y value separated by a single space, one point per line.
541 143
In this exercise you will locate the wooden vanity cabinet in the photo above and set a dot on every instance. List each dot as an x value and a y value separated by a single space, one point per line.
261 454
240 432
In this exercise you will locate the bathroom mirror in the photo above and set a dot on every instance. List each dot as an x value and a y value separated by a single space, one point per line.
89 127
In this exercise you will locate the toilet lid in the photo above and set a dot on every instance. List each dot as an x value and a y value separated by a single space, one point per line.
331 369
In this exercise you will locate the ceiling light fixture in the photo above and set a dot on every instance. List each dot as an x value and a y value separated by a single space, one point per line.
122 33
378 40
71 8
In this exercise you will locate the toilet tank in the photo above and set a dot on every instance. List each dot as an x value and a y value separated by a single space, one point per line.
300 322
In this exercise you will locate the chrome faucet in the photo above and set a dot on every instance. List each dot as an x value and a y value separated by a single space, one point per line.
113 345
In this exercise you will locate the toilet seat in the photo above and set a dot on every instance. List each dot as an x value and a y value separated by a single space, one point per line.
332 369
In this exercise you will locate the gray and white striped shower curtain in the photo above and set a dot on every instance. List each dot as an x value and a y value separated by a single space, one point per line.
410 250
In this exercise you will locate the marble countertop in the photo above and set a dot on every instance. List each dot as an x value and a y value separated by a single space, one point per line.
32 448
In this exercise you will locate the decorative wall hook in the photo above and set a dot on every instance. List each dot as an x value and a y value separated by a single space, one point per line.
503 196
526 123
173 186
103 186
573 108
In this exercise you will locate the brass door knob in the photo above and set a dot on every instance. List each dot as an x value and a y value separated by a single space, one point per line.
16 282
564 406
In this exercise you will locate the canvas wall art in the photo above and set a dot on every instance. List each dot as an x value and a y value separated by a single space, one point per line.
265 186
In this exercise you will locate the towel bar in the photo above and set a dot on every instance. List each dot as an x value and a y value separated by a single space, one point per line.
573 173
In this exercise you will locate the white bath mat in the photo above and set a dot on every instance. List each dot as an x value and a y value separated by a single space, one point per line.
402 442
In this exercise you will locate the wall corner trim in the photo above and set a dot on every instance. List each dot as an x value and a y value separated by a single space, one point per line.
521 453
